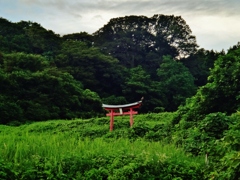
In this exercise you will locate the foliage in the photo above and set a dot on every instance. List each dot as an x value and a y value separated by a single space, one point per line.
139 84
204 124
220 94
172 75
28 37
200 138
82 36
9 110
114 100
119 62
37 91
225 153
96 71
139 40
200 63
215 124
6 171
59 150
44 76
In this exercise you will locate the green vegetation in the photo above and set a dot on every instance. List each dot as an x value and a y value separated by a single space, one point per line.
85 149
187 128
45 76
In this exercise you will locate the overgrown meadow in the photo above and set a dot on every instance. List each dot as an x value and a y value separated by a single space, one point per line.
188 127
86 149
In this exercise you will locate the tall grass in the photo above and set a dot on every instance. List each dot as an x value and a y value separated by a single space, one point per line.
86 149
23 147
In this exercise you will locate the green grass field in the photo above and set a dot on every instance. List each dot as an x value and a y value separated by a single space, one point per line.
85 149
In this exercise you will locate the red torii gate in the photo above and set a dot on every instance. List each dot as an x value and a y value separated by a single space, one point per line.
119 110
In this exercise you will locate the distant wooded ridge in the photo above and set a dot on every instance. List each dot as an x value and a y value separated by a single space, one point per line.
45 76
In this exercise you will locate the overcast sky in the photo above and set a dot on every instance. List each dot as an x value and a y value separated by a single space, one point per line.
215 23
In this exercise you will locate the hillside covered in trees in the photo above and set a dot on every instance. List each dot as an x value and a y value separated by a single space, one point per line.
45 76
189 123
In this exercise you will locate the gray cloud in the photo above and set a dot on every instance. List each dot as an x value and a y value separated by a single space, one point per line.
228 7
140 7
210 20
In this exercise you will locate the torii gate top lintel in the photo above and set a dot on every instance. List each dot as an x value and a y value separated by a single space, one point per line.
123 106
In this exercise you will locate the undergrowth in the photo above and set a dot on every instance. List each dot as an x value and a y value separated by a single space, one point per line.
85 149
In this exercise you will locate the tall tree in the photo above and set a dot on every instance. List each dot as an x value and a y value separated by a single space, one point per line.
82 36
200 63
28 37
130 39
176 83
138 84
177 34
220 94
35 91
41 40
97 71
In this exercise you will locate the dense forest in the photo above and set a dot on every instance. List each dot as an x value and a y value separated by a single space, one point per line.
188 126
45 76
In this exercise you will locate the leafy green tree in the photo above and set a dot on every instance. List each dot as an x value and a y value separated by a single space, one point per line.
175 83
10 110
23 61
112 99
130 39
200 63
207 112
126 39
220 94
28 37
139 84
41 40
8 31
38 91
97 71
9 107
82 36
175 31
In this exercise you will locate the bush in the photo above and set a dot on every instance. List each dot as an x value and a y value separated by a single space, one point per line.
215 124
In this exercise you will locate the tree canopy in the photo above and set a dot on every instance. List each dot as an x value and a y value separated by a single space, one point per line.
221 93
131 38
36 91
46 76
